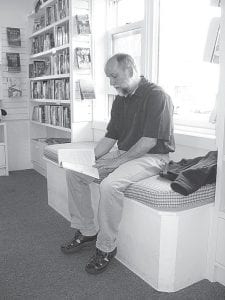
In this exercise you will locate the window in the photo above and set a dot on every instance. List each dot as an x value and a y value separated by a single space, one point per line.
128 42
185 68
125 31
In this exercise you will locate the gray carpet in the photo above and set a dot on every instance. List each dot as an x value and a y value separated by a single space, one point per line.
32 266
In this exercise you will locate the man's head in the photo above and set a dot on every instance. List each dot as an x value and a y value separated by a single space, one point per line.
122 73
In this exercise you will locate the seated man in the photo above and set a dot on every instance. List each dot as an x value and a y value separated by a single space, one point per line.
142 125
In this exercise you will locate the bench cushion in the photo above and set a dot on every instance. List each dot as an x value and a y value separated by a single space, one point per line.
156 192
153 191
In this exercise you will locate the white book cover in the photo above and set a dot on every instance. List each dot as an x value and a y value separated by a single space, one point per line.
79 160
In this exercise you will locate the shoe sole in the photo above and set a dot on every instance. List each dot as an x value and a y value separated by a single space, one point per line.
94 272
78 248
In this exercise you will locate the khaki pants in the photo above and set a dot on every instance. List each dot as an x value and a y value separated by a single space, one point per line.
111 196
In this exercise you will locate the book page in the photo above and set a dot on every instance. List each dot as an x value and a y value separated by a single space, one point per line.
78 160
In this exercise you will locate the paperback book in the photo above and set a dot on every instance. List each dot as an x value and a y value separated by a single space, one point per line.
87 89
13 62
83 24
83 58
13 36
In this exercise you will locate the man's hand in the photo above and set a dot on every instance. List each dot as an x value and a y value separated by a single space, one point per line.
107 165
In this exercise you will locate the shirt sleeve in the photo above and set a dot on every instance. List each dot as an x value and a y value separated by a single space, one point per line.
112 127
159 117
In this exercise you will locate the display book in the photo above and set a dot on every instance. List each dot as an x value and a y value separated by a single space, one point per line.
84 87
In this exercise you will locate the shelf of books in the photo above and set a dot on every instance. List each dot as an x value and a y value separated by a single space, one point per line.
60 69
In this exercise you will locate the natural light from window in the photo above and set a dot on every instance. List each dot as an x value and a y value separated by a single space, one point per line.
130 43
129 11
188 31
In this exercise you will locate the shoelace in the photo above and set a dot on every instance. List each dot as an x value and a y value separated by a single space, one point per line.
99 256
76 238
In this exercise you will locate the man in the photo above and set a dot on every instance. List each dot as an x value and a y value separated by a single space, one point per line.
141 124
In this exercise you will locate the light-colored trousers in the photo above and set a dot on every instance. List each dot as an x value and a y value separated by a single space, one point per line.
111 196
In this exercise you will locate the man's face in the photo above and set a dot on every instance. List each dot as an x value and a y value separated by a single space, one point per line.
119 78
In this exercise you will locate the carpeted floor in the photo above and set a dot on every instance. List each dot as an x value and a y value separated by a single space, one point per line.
32 266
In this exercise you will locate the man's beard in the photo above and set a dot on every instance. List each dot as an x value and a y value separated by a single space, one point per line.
123 92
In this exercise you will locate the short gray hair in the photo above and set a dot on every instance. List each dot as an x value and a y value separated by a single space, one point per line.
124 60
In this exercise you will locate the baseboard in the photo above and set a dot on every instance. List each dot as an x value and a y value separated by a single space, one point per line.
220 274
39 169
62 213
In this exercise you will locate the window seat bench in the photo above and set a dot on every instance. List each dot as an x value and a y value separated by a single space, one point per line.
163 236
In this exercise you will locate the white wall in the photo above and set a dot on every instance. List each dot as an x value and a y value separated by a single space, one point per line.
13 13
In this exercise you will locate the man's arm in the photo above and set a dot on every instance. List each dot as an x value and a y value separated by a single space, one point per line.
142 147
104 146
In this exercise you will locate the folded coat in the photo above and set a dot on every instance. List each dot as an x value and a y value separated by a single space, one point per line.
188 175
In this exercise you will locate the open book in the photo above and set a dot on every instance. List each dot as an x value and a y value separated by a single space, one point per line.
80 160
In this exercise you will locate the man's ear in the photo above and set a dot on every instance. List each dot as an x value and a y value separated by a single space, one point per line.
131 71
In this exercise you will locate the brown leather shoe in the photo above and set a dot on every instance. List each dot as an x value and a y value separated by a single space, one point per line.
78 242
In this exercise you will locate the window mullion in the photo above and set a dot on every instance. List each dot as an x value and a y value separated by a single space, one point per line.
151 39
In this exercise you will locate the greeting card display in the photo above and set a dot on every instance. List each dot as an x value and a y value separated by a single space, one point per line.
13 36
13 62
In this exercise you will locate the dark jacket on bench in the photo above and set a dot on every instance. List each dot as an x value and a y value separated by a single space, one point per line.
188 175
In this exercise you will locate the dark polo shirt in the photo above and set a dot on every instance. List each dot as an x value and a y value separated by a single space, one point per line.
146 113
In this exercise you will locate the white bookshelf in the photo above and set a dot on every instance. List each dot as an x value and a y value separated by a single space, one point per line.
51 126
48 28
80 110
53 76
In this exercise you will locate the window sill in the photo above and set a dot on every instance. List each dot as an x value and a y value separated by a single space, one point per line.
185 137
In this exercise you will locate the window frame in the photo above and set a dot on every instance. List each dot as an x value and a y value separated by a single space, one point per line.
150 37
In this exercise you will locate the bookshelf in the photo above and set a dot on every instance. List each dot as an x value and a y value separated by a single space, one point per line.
61 90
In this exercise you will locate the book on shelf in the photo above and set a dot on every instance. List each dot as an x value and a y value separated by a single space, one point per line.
42 42
39 23
53 140
62 89
56 115
87 89
80 160
14 87
83 24
62 34
42 89
13 62
63 8
62 62
13 36
82 57
40 68
51 14
57 89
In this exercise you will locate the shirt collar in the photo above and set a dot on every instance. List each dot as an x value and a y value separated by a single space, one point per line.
137 91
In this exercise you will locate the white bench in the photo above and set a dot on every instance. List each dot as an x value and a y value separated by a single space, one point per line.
165 246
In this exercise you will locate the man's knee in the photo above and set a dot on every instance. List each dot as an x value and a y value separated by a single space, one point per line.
72 176
109 185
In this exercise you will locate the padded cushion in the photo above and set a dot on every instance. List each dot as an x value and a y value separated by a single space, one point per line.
156 192
153 191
